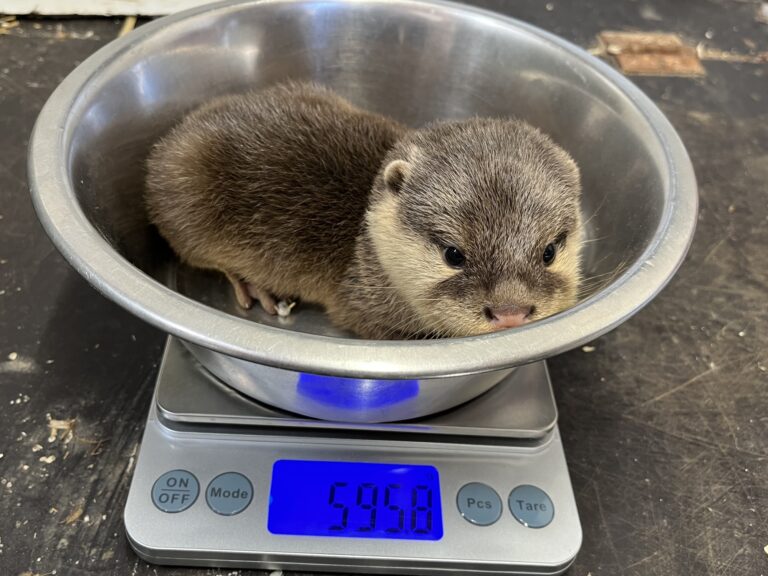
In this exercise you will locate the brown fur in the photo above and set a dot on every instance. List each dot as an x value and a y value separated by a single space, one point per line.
299 194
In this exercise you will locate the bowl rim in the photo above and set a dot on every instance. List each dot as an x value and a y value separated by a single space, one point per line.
92 256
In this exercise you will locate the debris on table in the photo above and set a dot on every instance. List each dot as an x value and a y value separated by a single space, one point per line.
67 428
705 53
762 12
651 53
648 12
74 516
128 25
17 364
7 23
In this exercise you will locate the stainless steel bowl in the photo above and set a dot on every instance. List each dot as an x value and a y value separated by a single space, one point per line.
415 61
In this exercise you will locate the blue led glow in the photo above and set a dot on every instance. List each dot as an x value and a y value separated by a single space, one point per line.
354 394
355 500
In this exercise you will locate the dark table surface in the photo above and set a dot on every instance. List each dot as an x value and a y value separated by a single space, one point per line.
665 422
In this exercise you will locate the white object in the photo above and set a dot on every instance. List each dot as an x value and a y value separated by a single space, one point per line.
97 7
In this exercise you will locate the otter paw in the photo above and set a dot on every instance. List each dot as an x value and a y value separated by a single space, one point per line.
267 301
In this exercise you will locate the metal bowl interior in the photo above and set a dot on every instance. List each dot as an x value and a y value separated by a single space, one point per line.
413 60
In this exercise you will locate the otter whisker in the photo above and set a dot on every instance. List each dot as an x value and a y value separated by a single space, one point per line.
591 240
599 207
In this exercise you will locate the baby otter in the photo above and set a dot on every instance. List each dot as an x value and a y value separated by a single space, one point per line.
455 229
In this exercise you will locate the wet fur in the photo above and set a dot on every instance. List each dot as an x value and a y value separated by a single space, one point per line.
299 193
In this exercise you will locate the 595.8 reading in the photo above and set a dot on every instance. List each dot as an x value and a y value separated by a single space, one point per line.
391 508
355 500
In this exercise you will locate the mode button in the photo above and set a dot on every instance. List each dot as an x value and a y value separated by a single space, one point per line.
229 493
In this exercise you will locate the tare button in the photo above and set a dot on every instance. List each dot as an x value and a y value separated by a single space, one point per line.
479 504
531 506
229 493
175 491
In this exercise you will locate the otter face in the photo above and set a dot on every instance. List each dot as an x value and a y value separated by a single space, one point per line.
477 225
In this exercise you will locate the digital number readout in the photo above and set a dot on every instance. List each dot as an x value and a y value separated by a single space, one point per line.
355 500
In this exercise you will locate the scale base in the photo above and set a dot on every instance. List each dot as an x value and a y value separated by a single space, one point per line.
194 436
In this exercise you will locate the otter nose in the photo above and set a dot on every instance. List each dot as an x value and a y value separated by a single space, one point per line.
509 316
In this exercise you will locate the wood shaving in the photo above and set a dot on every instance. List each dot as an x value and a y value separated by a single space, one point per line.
8 23
47 459
62 34
128 25
762 12
65 426
588 349
74 516
705 53
648 12
651 53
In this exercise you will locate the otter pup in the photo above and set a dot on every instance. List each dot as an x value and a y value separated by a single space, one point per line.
455 229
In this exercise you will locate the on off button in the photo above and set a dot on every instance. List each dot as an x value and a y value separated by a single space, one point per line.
175 491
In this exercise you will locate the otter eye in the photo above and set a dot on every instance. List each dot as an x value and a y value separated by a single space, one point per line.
454 257
549 254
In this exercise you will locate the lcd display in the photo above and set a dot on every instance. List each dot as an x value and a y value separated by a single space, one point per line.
355 500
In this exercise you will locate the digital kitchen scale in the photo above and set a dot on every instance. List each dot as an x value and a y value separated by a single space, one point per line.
222 480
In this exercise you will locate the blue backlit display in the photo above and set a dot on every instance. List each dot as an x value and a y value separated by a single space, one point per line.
355 500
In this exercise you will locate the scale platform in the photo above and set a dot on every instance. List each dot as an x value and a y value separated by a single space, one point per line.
222 480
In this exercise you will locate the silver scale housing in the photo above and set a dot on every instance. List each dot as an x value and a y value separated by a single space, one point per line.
505 438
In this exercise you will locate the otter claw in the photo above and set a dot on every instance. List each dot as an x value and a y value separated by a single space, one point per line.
246 293
242 296
284 308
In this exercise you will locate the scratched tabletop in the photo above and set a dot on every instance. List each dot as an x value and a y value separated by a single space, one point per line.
665 419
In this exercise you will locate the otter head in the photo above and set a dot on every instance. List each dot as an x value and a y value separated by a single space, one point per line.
477 225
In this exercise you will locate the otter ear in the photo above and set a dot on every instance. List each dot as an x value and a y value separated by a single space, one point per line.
395 174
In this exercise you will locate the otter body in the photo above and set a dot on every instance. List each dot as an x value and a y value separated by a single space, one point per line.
294 193
270 188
